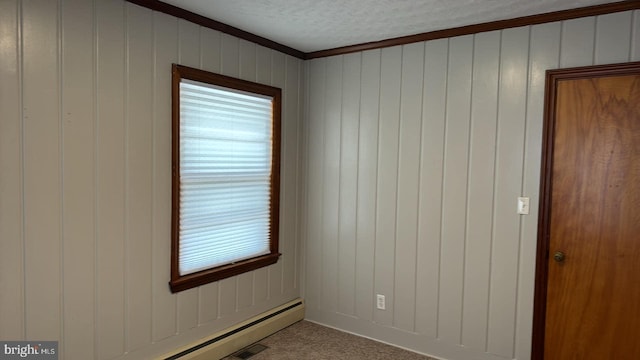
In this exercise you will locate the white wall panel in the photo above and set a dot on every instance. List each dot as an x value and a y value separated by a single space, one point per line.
165 45
436 226
292 140
331 182
635 36
348 184
247 53
367 183
210 49
11 227
230 55
85 215
404 294
387 187
189 44
138 175
454 191
413 157
110 174
512 101
578 37
484 111
613 35
430 190
78 152
314 188
42 159
544 53
208 296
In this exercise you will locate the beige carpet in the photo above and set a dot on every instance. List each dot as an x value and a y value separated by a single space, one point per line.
310 341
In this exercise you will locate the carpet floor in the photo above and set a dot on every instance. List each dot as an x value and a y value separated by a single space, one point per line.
310 341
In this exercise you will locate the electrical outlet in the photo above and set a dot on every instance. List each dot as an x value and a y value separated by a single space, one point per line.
380 302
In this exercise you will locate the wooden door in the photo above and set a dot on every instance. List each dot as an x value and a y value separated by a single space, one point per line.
590 221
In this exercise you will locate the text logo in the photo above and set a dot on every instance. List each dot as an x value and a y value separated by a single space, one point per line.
32 350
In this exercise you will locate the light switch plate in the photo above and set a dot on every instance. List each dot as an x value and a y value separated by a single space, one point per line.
380 302
523 205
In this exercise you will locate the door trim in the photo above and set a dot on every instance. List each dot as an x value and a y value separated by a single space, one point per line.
546 183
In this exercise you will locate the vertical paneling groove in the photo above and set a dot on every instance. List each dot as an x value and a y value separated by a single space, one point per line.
154 184
126 238
298 256
12 276
61 194
94 274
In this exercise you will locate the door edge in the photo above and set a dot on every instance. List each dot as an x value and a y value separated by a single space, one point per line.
546 183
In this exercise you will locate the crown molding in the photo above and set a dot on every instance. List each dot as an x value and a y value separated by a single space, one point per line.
216 25
432 35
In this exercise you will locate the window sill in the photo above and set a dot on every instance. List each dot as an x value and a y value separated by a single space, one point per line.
181 283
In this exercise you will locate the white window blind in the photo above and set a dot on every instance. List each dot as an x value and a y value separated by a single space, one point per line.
225 174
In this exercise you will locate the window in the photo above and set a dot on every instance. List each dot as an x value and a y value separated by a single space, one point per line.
226 177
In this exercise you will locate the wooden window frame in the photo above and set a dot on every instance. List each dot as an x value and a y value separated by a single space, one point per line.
183 282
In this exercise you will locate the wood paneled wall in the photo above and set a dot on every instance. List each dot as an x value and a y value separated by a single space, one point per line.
85 155
412 157
415 156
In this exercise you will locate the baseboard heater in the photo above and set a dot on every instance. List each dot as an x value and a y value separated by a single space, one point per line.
241 335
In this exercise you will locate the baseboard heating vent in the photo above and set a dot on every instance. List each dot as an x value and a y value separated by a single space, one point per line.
240 336
249 351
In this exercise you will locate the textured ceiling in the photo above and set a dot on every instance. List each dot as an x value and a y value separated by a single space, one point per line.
312 25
